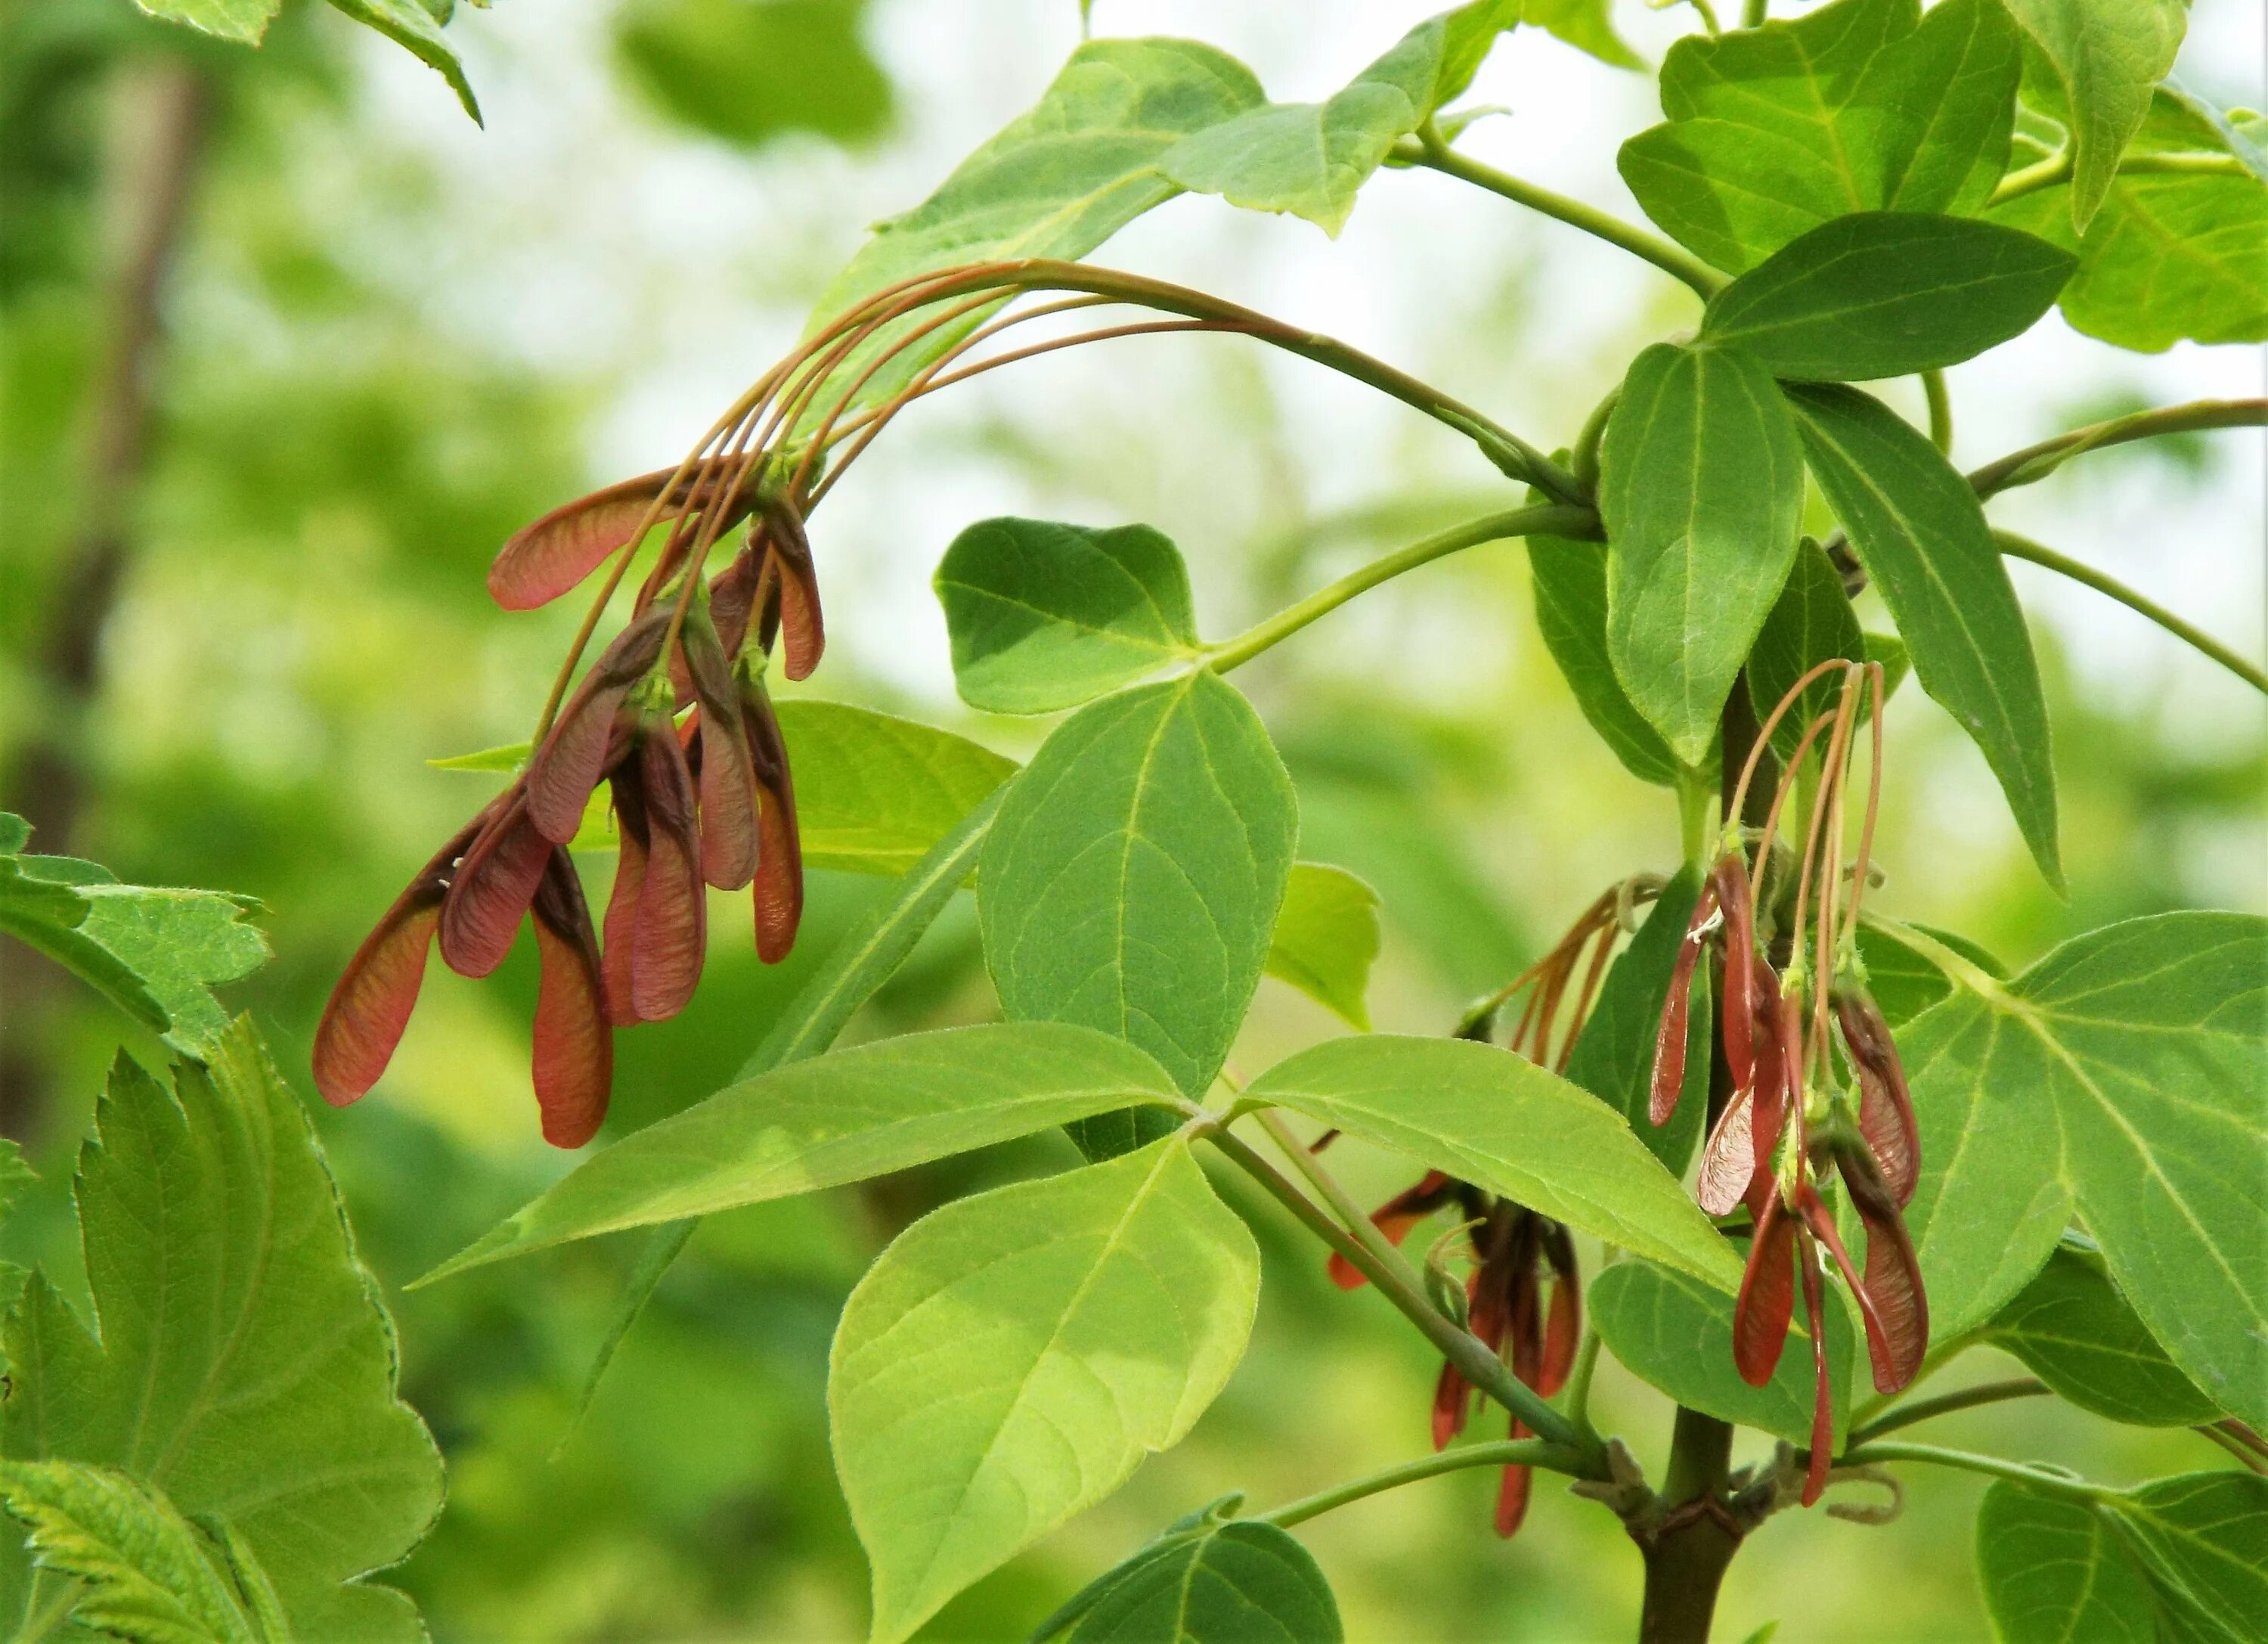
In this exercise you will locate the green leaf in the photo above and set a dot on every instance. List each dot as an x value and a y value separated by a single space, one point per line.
1811 623
747 74
1498 1120
824 1120
1133 875
1860 106
1904 981
1701 487
2203 1540
1917 529
874 793
2056 1571
154 952
148 1575
1571 612
243 20
1613 1056
1045 616
2074 1330
1672 1331
1208 1580
2167 257
245 1368
1585 24
1468 34
2108 55
858 964
2125 1075
1326 938
411 27
1884 293
1309 159
2184 1558
1056 182
1013 1357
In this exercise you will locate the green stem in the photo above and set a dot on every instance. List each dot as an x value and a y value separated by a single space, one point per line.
1754 13
1585 457
1673 260
1945 1404
1511 455
2056 168
2037 462
1502 1452
1542 519
1578 1381
1393 1278
1991 1466
2251 1459
1695 810
2023 548
1940 411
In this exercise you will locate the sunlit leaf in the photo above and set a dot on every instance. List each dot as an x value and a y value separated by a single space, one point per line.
2168 256
874 793
1672 1331
2123 1076
1310 158
1585 25
1132 878
1811 623
411 27
243 1365
1857 106
1056 182
1904 981
750 71
1884 293
1919 532
1045 616
1570 580
245 20
1701 487
1496 1119
2074 1330
2108 55
1013 1357
1326 938
1210 1578
824 1120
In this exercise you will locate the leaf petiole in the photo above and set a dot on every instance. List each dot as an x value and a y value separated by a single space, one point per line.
2038 554
1991 1466
1945 1404
1500 1453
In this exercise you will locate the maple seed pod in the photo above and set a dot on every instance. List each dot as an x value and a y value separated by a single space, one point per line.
1823 1401
573 1051
778 887
721 759
1767 1301
1728 883
1886 1115
543 560
587 737
1890 1294
371 1006
1676 1011
491 891
1394 1219
803 631
671 930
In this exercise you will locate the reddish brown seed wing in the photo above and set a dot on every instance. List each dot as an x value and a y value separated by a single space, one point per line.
587 738
1511 1495
1562 1330
778 893
1898 1308
1822 1404
1728 1162
1729 880
733 599
1452 1402
574 1047
1886 1115
729 837
545 559
1767 1301
490 891
671 929
803 630
1676 1011
1394 1219
631 828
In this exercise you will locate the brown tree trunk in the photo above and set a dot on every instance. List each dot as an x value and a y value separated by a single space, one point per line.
160 117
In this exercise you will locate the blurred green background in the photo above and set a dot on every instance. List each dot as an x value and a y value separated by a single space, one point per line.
383 338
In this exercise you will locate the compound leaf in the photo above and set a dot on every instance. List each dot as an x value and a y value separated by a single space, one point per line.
1045 616
1884 293
1209 1579
824 1120
1921 534
1011 1359
2125 1075
1859 106
1701 488
1498 1120
1326 936
240 1363
1132 878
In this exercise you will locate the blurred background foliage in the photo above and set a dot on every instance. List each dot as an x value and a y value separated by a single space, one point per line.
383 338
